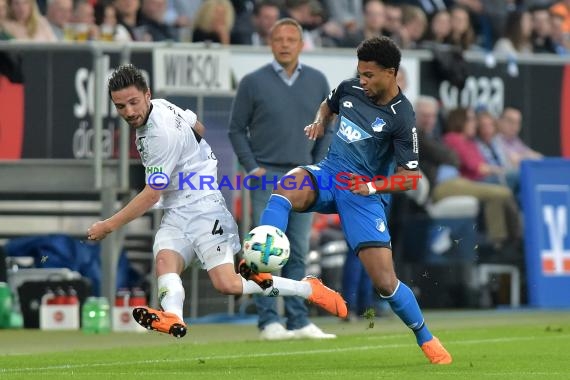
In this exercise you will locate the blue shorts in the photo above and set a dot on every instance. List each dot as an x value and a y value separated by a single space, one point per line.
363 218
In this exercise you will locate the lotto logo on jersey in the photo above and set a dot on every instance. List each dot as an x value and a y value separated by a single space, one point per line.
350 132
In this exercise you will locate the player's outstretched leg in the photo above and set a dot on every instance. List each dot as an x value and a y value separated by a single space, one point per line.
152 319
309 287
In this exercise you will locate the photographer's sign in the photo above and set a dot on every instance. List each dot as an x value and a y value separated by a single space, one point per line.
182 71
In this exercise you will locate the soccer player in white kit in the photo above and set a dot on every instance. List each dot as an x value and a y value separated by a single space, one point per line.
196 221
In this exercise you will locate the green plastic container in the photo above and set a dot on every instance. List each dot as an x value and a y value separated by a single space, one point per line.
95 316
5 305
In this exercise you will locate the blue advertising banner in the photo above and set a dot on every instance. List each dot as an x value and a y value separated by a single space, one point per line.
545 190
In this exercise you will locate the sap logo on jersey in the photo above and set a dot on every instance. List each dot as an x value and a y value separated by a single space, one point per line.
350 132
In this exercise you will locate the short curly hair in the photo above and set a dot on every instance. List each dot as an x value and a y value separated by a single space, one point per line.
125 76
381 50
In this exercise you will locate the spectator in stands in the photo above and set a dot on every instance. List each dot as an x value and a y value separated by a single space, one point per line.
59 14
541 31
84 21
473 7
430 7
487 140
26 23
270 110
322 31
517 36
439 28
393 21
460 131
301 11
440 164
265 14
509 129
127 15
414 25
111 30
214 22
347 13
560 39
562 9
495 13
494 153
374 22
462 33
181 13
152 19
243 25
3 17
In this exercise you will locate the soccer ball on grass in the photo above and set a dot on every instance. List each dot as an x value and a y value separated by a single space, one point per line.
266 249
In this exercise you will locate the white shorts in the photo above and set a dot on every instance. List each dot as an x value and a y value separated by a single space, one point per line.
204 229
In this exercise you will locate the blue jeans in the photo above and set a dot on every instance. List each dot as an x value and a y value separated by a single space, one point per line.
357 287
298 232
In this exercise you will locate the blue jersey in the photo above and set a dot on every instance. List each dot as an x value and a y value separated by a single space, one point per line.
369 139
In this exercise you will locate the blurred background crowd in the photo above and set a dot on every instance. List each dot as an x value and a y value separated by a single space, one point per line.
505 26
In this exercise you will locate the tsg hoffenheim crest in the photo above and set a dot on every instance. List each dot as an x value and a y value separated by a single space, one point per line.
380 225
378 125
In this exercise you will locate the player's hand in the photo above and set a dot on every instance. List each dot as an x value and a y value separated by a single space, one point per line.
315 130
260 172
357 185
98 231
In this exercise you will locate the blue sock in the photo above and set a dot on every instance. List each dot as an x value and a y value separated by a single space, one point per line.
276 212
405 305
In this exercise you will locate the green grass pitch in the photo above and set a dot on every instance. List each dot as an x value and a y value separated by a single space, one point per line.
485 345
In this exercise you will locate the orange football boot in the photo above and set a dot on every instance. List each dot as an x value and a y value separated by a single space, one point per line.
161 321
326 298
435 352
264 280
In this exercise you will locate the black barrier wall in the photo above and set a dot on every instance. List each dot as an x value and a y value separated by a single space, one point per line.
536 91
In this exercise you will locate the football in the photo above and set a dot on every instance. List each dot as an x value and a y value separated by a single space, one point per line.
266 249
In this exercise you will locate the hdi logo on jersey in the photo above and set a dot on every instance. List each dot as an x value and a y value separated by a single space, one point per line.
350 132
556 259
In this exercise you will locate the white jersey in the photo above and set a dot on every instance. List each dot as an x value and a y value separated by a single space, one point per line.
169 146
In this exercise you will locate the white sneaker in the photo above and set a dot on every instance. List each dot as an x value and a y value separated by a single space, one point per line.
311 331
274 331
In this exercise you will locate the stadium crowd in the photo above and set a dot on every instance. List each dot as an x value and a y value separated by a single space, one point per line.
510 27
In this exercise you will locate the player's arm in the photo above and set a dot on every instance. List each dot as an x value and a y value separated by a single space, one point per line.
323 118
325 114
134 209
404 179
199 128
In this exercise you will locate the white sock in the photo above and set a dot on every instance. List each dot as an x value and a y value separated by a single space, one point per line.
284 286
171 293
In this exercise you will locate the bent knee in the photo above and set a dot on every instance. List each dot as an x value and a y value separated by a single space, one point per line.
386 285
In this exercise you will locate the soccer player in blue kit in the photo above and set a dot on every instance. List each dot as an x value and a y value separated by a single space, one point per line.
375 138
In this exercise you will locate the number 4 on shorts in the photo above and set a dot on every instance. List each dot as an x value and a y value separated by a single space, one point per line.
217 228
